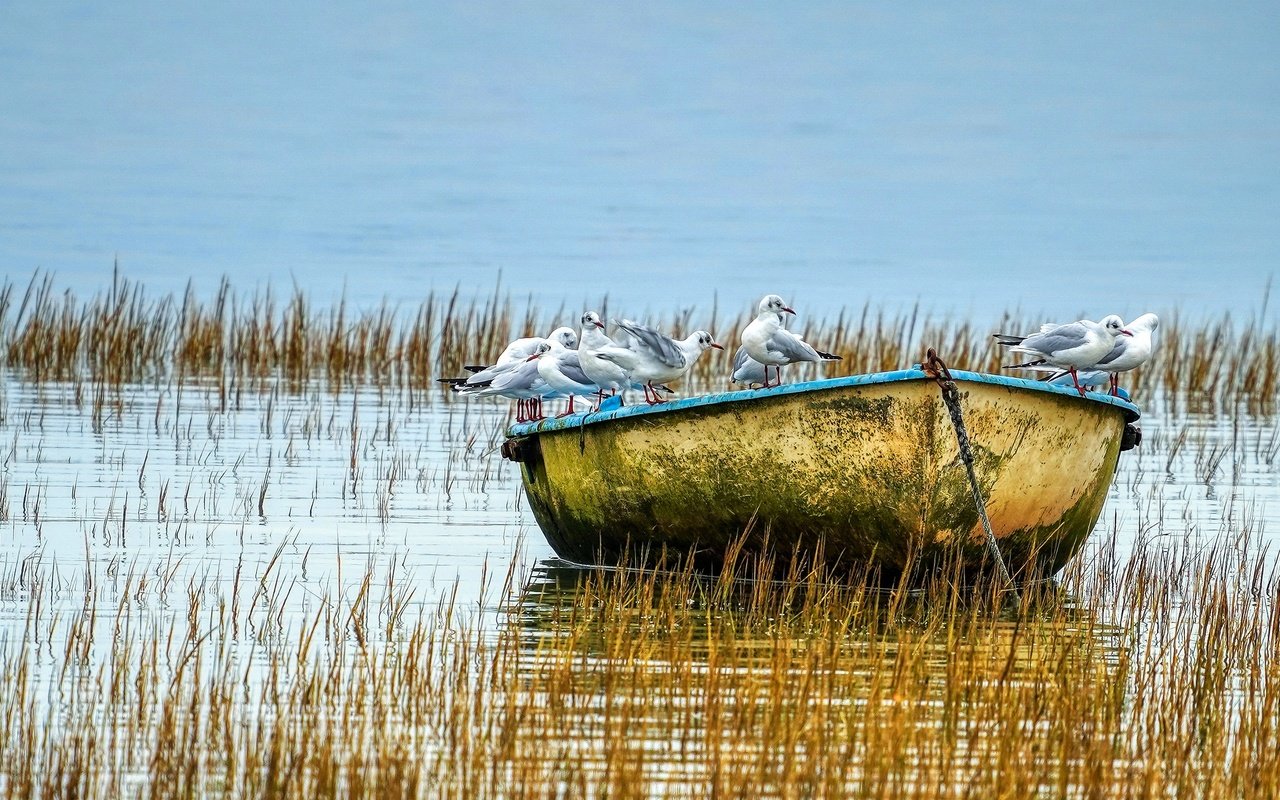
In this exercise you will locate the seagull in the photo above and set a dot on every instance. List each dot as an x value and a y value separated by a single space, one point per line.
606 363
1127 354
746 369
516 353
767 341
1132 352
1073 346
522 383
561 369
660 357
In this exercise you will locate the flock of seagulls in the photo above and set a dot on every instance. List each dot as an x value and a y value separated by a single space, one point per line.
589 363
1090 353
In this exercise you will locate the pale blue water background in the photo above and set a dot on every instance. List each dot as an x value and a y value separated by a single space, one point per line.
1089 157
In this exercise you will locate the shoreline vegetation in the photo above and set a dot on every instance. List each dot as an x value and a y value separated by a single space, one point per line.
254 342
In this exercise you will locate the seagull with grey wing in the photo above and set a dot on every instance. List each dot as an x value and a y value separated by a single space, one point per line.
661 358
561 368
1074 346
768 342
746 369
521 383
1127 354
513 357
607 363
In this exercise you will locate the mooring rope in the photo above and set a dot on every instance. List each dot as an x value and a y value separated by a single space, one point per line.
937 369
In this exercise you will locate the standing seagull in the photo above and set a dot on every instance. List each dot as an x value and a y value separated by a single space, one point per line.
772 345
746 369
516 354
606 363
661 358
561 369
521 383
1129 353
1073 346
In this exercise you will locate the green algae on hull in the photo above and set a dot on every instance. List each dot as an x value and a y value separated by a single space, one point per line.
862 469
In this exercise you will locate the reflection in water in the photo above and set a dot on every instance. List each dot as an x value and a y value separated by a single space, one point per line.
676 684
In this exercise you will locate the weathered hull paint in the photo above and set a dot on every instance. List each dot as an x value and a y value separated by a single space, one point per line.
865 468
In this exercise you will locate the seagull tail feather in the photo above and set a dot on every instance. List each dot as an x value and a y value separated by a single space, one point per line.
1035 363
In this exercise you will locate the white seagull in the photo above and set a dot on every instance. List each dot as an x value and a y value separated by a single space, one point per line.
746 369
1131 352
606 363
1074 346
767 341
1127 354
561 369
516 353
521 383
661 358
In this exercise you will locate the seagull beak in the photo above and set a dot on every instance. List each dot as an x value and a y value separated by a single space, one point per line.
789 309
600 325
1126 331
717 346
532 357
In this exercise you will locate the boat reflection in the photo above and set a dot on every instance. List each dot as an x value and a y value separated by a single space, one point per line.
676 683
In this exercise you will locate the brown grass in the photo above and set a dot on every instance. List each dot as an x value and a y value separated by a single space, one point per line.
257 342
1155 675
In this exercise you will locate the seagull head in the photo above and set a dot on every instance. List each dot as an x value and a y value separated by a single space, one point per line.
543 348
566 337
705 342
1115 325
592 319
773 304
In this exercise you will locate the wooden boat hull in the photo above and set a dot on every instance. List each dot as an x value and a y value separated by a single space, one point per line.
864 468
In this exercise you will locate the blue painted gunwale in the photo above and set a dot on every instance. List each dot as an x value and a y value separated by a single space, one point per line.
611 411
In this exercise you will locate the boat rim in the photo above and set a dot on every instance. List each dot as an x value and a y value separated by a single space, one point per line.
613 410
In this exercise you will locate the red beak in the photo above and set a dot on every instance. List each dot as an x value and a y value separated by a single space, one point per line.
789 310
717 346
532 357
1126 332
600 325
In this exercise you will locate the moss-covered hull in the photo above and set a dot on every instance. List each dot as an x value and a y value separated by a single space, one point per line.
867 470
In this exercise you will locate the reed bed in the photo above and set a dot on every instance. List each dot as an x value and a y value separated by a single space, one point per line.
1144 670
257 342
1156 674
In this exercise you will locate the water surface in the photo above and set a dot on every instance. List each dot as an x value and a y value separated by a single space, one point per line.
1081 158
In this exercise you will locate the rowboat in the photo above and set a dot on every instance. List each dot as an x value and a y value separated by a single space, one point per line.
862 469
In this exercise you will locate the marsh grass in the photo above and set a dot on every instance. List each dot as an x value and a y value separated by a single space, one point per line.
1153 674
257 342
1144 670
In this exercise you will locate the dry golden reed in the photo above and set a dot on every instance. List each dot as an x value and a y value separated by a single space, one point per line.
258 341
1152 676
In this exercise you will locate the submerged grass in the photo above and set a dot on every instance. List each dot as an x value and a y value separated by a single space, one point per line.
1149 676
251 343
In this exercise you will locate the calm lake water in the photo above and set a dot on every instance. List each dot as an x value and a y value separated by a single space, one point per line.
1080 158
1050 159
163 510
321 483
